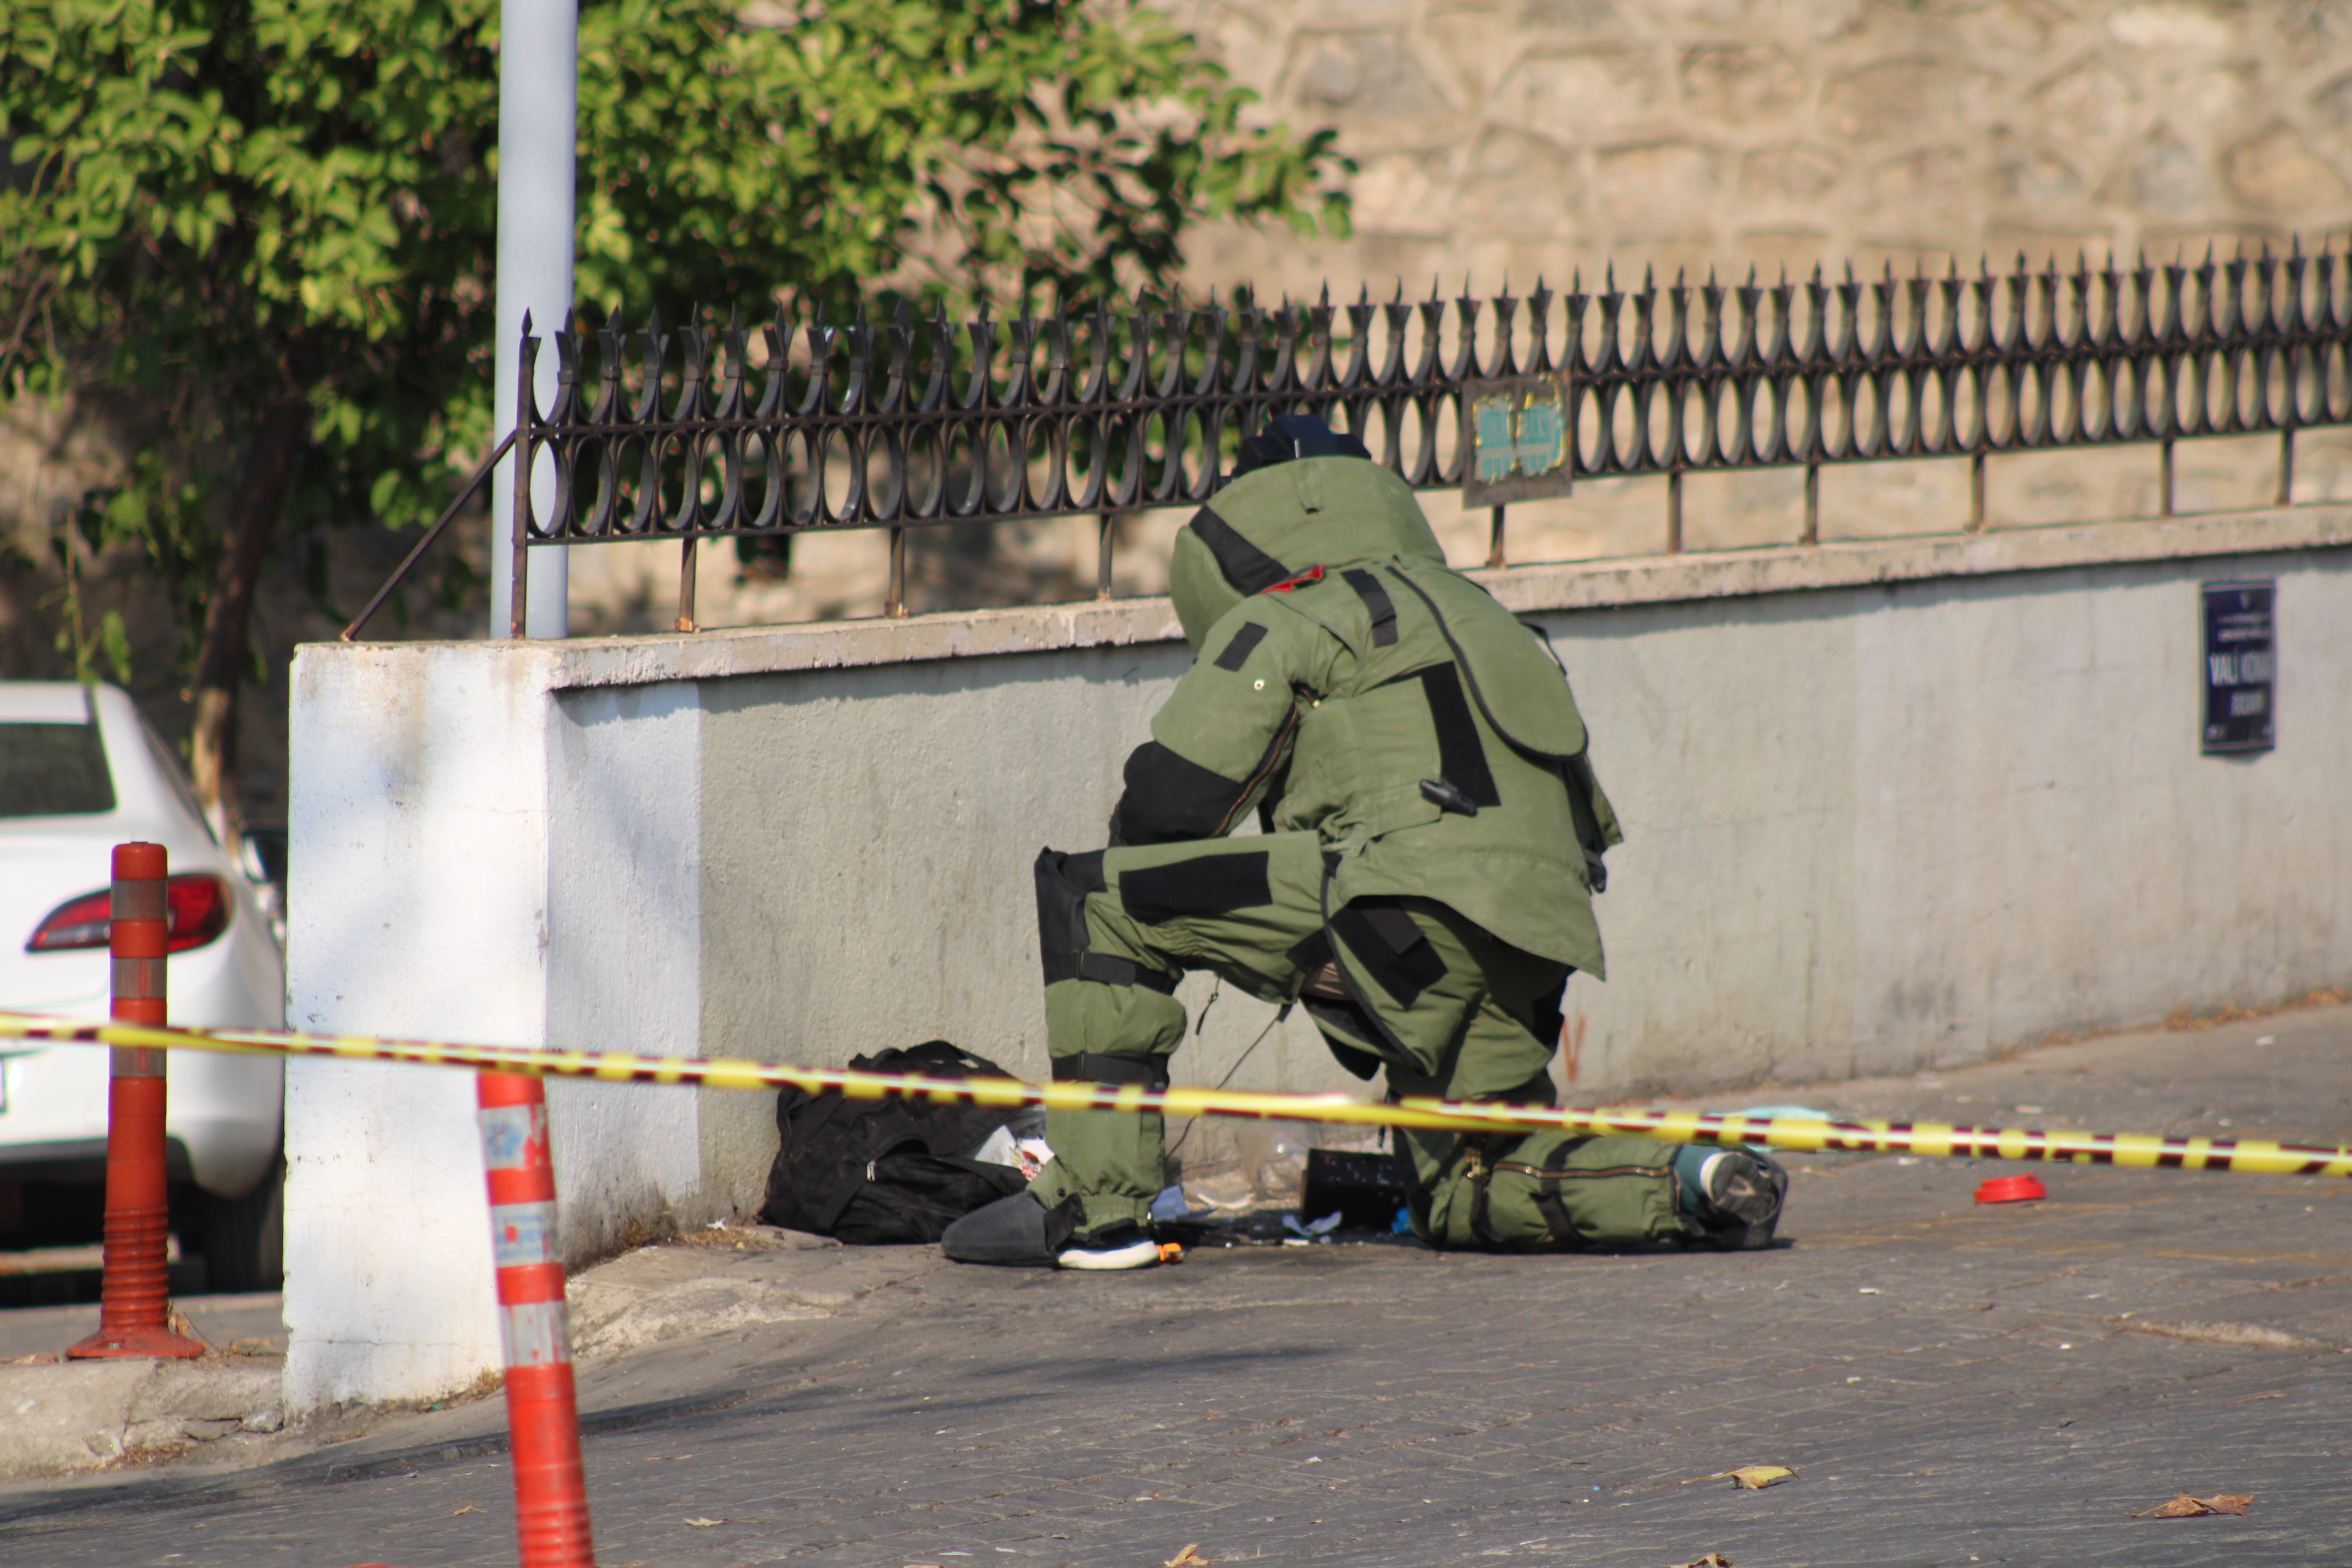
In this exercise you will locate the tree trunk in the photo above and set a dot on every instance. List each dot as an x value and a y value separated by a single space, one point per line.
278 445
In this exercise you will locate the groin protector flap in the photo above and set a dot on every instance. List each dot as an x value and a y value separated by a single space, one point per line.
1516 680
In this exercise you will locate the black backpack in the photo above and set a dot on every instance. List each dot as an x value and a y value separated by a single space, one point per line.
870 1171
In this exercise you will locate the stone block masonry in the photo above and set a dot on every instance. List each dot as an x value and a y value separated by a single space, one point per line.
1527 136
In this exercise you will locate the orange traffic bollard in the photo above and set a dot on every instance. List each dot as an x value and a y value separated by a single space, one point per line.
134 1296
543 1409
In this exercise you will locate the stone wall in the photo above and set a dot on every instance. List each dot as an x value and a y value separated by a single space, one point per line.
1540 136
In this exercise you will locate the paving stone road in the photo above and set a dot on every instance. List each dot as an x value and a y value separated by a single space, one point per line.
1954 1383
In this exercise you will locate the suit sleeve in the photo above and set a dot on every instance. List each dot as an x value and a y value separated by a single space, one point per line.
1225 731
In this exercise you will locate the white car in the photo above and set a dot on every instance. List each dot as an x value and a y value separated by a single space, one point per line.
79 772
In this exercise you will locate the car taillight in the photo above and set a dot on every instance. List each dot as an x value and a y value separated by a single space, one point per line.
77 922
199 905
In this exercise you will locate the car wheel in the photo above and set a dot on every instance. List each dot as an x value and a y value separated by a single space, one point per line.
244 1239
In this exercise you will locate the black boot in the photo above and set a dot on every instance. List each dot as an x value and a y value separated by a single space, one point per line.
1016 1231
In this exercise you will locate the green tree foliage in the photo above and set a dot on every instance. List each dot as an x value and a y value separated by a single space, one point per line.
269 225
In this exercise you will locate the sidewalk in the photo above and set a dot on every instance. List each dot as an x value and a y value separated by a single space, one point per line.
1953 1384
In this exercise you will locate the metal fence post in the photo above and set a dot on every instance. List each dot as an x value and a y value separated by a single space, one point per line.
685 622
134 1311
535 1327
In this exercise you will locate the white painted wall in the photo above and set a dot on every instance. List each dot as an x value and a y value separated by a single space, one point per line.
1876 828
487 857
1887 804
418 794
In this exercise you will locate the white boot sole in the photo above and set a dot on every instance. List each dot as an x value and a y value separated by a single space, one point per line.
1140 1254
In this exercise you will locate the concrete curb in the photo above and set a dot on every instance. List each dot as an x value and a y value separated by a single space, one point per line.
64 1417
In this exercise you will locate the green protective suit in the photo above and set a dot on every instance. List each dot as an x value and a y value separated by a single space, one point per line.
1422 885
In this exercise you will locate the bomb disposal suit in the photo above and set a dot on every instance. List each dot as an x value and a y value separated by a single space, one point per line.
1423 886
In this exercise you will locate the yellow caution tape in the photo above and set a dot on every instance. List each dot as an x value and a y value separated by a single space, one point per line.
1795 1135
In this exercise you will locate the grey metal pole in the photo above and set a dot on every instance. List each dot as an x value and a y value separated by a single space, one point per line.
539 92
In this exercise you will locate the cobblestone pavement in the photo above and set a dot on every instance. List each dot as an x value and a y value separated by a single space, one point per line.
1954 1383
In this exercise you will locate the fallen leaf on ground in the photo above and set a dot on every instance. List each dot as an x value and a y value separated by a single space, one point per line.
1188 1558
2183 1506
463 1508
1756 1478
1712 1559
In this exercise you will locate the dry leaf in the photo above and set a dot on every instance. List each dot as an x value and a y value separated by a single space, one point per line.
2183 1506
1188 1558
1712 1559
703 1523
463 1508
1756 1478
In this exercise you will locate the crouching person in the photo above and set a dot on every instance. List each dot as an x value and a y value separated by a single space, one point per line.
1422 885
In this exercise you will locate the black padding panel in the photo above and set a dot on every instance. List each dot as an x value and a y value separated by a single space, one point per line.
1377 601
1311 953
1245 644
1370 928
1204 885
1460 755
1250 570
1063 883
1170 798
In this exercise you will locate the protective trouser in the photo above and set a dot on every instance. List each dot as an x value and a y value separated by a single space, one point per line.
1447 1008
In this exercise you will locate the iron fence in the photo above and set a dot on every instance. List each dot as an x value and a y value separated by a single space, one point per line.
680 432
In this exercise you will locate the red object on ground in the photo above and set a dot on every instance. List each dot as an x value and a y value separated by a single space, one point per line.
134 1295
542 1409
2012 1189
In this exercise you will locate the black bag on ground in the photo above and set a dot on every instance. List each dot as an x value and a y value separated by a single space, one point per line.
870 1171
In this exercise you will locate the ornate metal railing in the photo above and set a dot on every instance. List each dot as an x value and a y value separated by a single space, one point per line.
682 432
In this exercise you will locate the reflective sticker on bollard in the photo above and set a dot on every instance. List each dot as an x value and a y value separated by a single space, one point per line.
509 1133
536 1333
522 1234
143 978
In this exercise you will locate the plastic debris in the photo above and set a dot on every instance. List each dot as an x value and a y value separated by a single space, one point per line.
1756 1478
2012 1189
2183 1506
